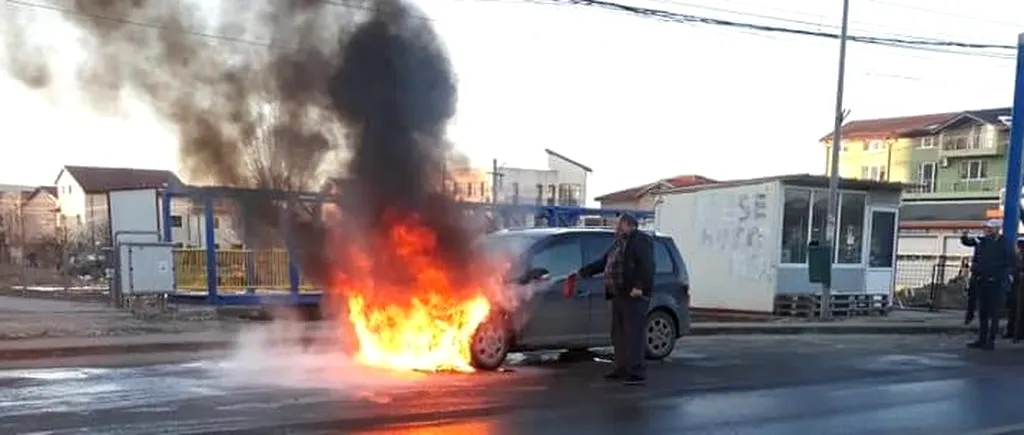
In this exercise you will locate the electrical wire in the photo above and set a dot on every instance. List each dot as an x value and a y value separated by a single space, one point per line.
663 15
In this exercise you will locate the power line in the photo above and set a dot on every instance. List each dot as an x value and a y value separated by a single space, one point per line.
664 15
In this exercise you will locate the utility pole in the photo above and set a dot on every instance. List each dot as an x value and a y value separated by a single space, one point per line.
495 182
1014 153
833 181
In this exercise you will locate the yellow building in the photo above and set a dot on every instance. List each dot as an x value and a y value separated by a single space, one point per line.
887 149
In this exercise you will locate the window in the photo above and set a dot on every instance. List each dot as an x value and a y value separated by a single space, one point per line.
515 193
457 191
883 234
483 189
216 222
540 194
926 142
175 221
851 228
876 173
469 190
874 145
926 176
819 214
974 170
595 245
552 194
560 258
663 262
575 195
796 216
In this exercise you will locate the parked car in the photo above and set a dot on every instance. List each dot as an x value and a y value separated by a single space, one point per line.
542 258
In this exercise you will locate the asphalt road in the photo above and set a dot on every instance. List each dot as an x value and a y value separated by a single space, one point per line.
713 385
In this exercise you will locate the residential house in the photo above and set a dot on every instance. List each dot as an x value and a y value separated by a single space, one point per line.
82 196
41 211
643 197
954 162
884 149
28 218
562 183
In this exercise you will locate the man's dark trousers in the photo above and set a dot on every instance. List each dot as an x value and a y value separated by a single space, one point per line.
990 301
629 316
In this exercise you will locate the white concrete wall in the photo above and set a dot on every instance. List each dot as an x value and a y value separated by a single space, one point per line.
570 173
728 237
70 197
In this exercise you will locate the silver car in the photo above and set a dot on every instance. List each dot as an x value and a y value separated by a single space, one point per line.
542 259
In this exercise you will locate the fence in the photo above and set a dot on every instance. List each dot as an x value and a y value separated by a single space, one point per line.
259 264
932 282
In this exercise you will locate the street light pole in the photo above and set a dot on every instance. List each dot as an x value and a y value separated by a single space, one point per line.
833 181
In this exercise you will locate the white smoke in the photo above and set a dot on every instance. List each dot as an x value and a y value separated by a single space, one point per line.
288 353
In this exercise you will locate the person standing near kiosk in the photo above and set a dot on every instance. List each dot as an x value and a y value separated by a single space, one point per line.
991 274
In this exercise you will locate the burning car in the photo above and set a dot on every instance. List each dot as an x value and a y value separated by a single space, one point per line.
539 317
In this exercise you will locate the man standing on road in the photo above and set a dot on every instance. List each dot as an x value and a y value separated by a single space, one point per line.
994 261
628 269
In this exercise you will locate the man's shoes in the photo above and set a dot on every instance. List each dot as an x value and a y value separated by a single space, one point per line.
635 380
615 376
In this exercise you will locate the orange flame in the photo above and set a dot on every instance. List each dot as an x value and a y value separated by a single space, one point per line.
422 322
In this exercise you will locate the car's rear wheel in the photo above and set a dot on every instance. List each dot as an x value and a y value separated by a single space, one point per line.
490 345
661 335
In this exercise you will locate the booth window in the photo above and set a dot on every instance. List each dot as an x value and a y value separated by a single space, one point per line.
850 243
819 216
795 226
883 230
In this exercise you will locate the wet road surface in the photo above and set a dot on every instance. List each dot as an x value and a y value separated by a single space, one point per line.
712 385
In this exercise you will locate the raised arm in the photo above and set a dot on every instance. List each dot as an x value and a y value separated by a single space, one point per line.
967 240
595 267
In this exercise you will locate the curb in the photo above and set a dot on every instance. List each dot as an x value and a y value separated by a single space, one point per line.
110 349
27 353
829 329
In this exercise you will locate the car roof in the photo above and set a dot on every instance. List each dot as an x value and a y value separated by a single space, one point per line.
551 231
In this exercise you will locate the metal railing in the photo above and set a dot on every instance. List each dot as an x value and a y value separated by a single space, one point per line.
958 186
932 282
237 270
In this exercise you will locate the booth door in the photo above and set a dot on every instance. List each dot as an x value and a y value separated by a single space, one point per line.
881 251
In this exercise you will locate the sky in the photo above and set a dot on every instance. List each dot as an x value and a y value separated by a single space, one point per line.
633 98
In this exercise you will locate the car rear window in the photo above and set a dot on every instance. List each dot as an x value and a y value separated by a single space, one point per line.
663 257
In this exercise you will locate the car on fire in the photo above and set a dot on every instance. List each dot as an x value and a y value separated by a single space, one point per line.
541 261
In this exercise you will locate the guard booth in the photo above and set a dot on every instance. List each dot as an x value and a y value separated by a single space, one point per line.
747 243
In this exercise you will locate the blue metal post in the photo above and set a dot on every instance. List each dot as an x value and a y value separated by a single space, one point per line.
289 240
210 237
165 215
1011 201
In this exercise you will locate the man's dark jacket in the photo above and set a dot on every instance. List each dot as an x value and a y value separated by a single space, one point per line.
993 262
637 267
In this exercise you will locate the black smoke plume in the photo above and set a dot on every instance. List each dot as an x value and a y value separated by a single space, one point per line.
283 95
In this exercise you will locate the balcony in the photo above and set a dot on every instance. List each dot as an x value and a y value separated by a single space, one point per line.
969 146
984 188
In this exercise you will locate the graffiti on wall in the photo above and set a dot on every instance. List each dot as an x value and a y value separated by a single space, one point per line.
734 224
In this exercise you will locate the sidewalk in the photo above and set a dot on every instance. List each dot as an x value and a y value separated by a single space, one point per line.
897 323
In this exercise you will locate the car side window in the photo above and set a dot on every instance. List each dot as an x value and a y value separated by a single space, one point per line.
662 258
560 258
594 246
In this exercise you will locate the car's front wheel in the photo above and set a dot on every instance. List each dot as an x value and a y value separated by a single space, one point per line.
661 335
490 345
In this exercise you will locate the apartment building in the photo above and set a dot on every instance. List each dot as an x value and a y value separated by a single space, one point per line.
953 163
